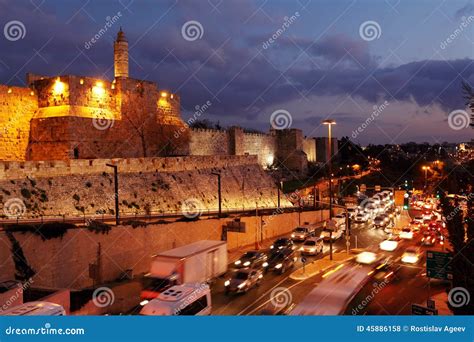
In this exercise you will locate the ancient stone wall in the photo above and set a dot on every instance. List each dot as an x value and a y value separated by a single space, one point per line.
17 106
209 142
309 147
63 262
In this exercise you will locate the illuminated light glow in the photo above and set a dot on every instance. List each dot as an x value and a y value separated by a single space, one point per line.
58 86
164 94
327 274
270 159
10 90
366 258
172 96
112 86
81 81
98 89
32 93
144 302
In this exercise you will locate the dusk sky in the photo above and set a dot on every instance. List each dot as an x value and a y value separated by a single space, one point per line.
321 65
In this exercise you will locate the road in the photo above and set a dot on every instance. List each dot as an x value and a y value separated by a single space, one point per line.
258 298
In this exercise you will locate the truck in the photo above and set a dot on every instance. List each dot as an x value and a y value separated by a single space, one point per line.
198 262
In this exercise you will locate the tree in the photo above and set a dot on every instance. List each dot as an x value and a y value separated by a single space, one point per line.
469 96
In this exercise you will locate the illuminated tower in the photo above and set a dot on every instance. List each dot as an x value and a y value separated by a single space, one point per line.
121 55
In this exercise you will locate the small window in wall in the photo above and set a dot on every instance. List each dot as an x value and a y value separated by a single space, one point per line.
76 153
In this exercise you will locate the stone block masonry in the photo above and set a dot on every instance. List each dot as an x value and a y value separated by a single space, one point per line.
75 188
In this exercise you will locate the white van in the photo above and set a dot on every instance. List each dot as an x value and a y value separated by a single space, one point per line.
35 309
181 300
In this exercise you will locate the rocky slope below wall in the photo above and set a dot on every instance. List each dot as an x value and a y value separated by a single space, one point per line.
167 189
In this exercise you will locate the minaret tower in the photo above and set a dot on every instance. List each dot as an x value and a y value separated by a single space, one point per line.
121 55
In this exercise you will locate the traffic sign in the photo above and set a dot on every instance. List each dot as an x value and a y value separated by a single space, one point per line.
378 188
417 309
438 265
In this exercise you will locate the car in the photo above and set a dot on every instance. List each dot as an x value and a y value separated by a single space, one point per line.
380 221
352 212
385 271
328 234
406 233
390 244
252 259
428 239
427 216
282 243
301 233
243 280
312 246
281 260
367 258
339 219
418 219
414 225
411 256
361 217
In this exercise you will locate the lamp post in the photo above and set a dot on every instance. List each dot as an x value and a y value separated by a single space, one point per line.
426 168
219 195
329 123
116 194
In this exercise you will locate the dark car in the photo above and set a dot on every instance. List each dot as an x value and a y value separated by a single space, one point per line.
385 271
252 259
243 280
281 260
282 243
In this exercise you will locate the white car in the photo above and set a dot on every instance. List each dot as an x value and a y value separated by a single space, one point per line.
361 218
352 212
389 245
327 234
366 258
312 246
411 256
406 234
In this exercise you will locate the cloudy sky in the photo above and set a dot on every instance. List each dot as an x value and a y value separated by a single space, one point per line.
345 60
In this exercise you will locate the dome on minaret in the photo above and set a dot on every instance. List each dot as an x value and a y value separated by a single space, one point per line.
121 36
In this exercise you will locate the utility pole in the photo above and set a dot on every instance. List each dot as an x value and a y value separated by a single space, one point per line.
116 193
278 188
219 194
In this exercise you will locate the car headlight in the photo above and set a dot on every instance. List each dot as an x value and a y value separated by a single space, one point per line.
238 262
301 249
271 247
246 263
242 285
278 266
227 283
144 302
265 264
312 250
292 235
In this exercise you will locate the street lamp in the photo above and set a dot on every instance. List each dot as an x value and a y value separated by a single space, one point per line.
116 194
329 123
426 168
218 191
